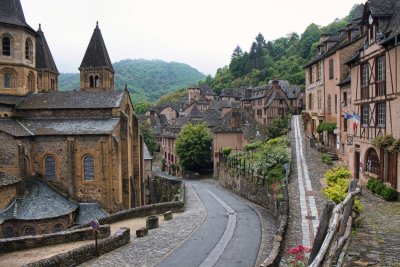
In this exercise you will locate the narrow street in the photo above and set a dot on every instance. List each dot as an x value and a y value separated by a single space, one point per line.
218 228
230 235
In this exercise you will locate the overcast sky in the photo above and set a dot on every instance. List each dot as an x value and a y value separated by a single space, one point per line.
201 33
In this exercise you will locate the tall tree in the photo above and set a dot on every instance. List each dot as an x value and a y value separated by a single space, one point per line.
148 137
193 146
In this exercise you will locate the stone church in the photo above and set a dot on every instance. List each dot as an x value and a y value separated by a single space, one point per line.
68 149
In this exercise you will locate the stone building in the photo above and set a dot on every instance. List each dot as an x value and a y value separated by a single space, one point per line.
83 145
375 72
324 75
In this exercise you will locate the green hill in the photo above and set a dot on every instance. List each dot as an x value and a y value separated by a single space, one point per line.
147 80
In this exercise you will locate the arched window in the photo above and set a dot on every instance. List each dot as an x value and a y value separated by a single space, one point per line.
8 232
30 82
57 228
91 81
50 168
88 168
53 85
7 80
96 81
6 46
372 162
28 49
29 231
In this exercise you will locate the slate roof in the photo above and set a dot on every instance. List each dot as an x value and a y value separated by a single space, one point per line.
346 80
39 202
59 126
247 124
146 152
393 28
96 53
73 100
292 92
11 99
6 179
89 211
44 59
232 92
154 123
11 13
381 7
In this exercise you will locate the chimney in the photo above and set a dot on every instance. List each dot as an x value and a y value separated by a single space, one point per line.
324 37
235 119
275 84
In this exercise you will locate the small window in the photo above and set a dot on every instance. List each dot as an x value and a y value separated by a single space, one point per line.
8 232
31 82
7 80
28 49
88 166
336 107
344 99
50 168
380 76
364 81
280 102
96 81
6 45
57 228
344 125
91 81
29 231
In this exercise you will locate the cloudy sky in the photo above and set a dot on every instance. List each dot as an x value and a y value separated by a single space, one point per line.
201 33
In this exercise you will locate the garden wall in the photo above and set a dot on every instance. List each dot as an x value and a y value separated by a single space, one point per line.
29 242
241 180
87 252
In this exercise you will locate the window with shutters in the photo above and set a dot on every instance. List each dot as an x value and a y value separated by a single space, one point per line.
329 104
336 102
88 168
50 168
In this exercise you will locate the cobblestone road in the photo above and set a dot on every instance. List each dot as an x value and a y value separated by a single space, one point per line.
377 240
149 250
316 170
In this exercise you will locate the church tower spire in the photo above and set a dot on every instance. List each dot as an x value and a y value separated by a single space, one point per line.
97 72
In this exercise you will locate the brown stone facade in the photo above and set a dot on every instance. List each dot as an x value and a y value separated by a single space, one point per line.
7 195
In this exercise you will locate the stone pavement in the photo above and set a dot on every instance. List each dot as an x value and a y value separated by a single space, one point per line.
149 250
377 241
299 209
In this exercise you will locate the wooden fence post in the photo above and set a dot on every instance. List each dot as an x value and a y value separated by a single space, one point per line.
322 229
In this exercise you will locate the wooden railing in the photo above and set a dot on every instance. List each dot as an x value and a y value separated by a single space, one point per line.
334 231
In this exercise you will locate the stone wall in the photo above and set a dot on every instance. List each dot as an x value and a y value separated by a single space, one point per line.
87 252
167 190
29 242
7 194
257 190
174 206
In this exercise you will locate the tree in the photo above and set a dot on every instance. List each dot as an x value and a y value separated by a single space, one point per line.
148 137
193 146
142 107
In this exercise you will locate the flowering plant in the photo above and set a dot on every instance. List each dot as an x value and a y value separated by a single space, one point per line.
298 257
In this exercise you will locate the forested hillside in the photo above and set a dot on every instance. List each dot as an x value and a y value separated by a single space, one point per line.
283 58
147 80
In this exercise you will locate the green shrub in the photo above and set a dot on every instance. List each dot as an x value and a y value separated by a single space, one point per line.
226 151
389 193
326 126
327 159
338 181
379 188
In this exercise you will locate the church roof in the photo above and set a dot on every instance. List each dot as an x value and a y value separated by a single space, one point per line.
89 211
44 59
39 202
96 53
11 13
59 126
73 100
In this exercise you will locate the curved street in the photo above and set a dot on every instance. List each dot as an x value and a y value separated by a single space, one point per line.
218 228
229 236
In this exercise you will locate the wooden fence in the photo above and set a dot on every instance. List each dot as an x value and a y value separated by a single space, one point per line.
334 231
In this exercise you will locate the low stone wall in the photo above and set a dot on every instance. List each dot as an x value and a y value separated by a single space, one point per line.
167 189
87 252
29 242
152 209
258 192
